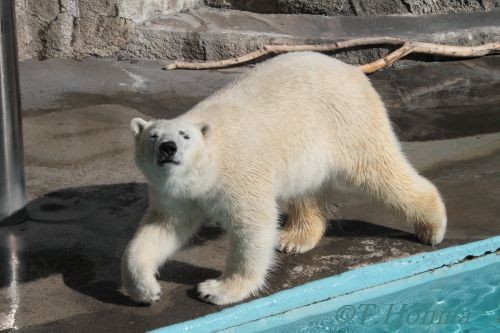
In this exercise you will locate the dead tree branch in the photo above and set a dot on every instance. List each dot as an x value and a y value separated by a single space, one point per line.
405 49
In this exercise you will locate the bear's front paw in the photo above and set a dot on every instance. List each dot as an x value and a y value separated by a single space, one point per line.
146 290
220 292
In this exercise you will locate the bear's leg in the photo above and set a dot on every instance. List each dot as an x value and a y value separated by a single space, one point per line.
305 225
253 240
158 237
388 176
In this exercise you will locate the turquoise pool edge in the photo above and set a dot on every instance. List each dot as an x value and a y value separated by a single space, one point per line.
363 295
336 286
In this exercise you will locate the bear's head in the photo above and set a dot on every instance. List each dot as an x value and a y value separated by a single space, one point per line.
171 154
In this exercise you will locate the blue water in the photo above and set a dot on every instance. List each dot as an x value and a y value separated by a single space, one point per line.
466 302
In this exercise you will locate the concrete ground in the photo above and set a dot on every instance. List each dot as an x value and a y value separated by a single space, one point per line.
60 270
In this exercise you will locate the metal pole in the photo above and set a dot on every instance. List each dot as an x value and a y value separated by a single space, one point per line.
12 194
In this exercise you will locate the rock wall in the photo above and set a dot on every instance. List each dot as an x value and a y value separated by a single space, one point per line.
110 28
77 28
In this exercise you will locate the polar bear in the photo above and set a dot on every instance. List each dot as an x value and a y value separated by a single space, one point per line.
289 130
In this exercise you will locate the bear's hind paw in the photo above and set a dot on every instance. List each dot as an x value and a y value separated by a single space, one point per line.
292 242
430 235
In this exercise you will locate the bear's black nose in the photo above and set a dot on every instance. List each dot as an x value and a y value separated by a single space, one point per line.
168 148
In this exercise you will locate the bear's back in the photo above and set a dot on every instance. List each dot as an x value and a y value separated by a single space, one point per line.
303 87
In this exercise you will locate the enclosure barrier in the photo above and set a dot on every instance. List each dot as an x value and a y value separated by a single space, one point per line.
12 193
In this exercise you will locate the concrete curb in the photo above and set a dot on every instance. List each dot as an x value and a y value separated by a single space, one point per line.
356 7
213 34
322 295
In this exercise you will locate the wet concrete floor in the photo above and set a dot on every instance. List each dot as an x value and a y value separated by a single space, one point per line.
60 271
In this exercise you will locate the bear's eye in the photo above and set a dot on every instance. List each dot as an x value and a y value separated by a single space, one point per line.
153 137
184 135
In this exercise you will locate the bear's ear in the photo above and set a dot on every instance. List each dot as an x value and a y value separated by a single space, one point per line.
137 125
205 129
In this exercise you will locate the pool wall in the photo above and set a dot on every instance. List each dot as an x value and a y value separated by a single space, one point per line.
350 287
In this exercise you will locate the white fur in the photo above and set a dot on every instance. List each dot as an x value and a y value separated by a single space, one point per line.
288 130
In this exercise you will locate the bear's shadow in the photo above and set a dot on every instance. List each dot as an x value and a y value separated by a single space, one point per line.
86 222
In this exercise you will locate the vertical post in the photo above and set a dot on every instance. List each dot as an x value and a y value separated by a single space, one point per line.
12 194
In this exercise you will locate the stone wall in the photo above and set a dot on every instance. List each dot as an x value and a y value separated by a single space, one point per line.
111 28
77 28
